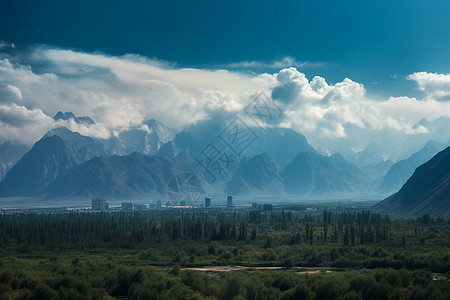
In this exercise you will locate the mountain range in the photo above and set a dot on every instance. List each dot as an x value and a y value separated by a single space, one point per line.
139 162
119 177
281 144
55 153
370 148
66 164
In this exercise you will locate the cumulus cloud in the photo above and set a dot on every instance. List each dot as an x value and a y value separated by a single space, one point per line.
11 94
22 125
297 92
435 86
317 108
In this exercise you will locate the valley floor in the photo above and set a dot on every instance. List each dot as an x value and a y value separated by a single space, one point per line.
224 254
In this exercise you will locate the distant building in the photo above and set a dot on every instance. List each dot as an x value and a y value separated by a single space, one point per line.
158 204
230 201
254 205
207 202
141 206
99 204
127 206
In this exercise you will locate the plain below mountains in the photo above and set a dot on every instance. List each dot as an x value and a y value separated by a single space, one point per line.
427 191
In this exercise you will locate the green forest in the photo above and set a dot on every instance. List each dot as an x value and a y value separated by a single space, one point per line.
282 254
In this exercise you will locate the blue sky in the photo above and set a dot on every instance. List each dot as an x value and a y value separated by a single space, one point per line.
368 41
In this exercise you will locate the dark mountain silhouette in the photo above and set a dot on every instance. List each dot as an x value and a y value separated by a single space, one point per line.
427 191
69 115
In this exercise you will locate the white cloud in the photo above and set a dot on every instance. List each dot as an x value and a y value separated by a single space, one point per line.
11 94
23 125
293 86
97 130
435 86
316 108
119 92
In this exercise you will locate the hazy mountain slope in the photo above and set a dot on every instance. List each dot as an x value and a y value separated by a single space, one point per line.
385 144
146 138
377 171
119 177
183 145
282 145
256 174
438 129
10 154
401 171
312 173
427 191
58 151
372 154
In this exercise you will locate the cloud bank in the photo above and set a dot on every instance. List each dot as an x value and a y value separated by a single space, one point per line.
321 109
119 92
